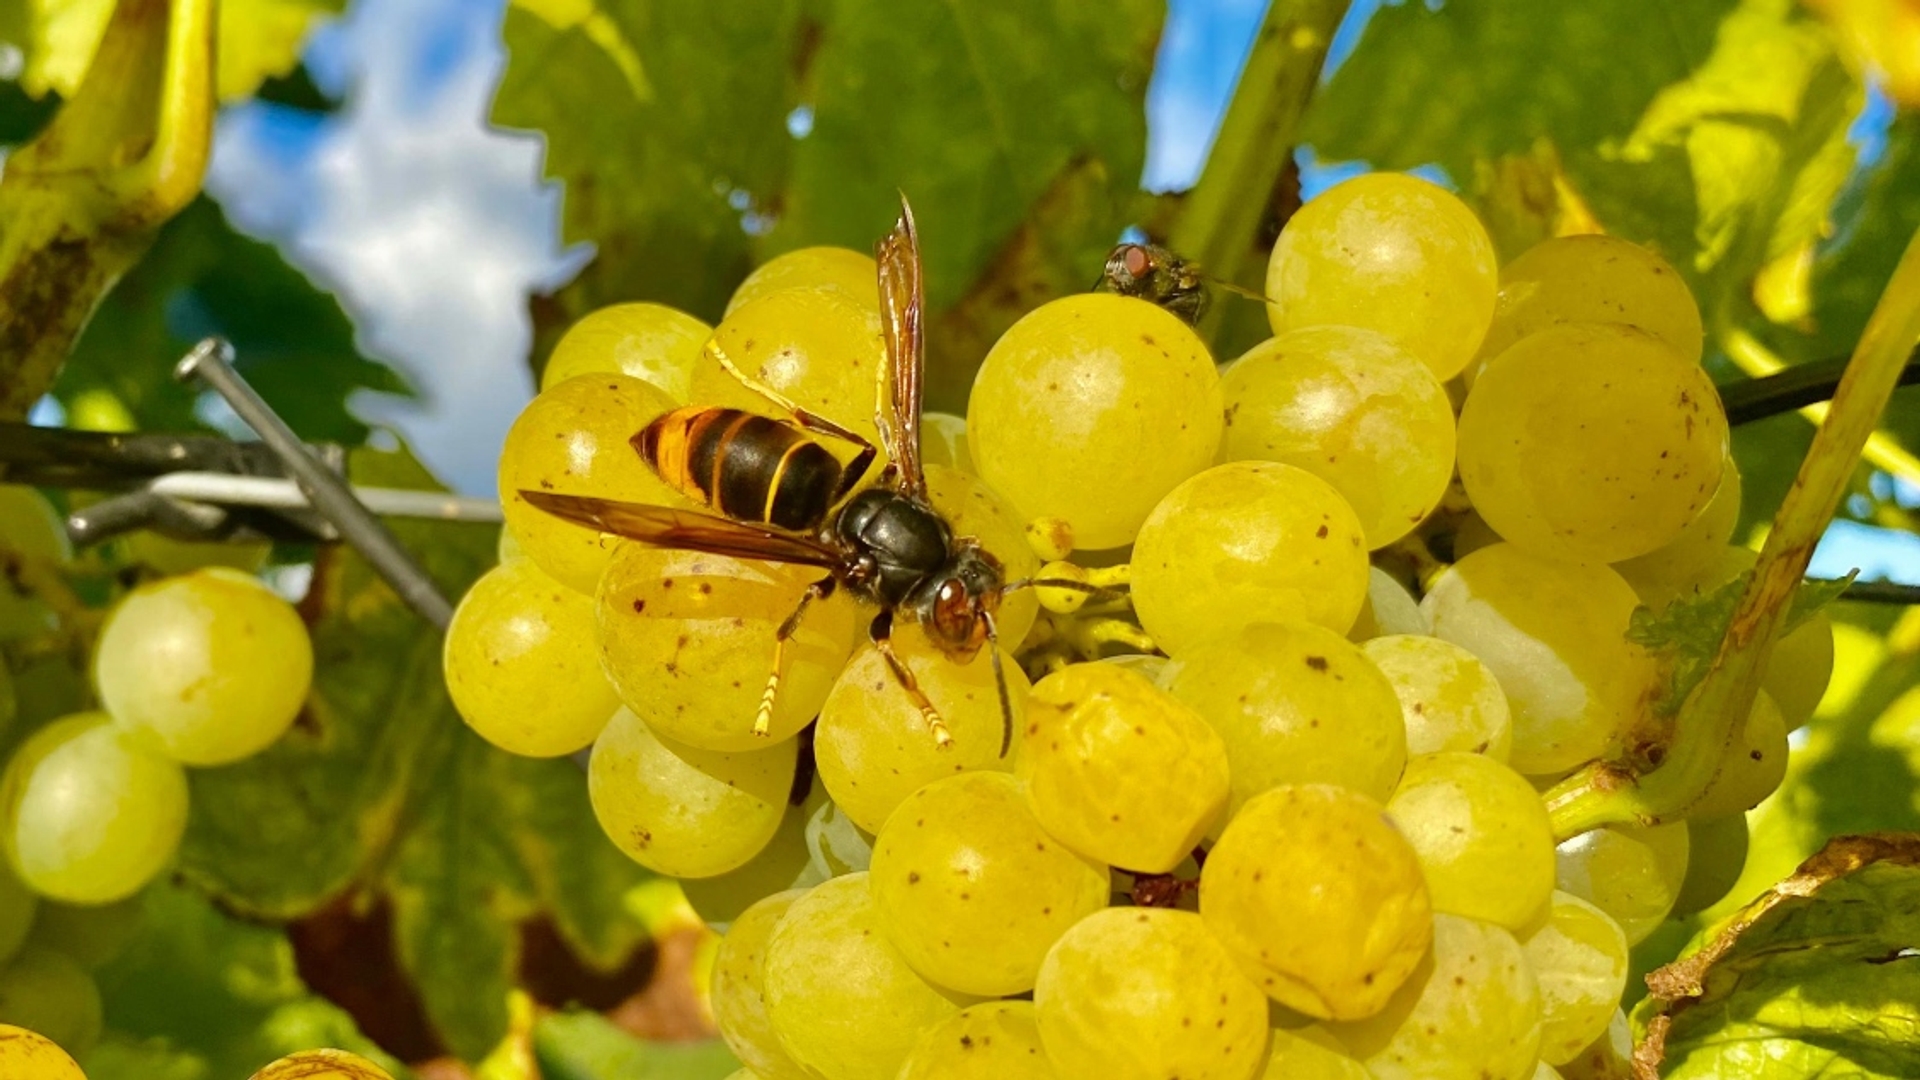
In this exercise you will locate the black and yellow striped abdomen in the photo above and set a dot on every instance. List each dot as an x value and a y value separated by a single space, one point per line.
746 466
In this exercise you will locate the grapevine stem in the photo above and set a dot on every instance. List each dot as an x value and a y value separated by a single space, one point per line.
1881 450
1713 716
1795 387
1218 225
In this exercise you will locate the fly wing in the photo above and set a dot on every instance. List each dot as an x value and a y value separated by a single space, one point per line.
902 315
664 526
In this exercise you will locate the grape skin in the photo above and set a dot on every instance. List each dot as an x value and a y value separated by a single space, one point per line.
994 1040
521 664
783 864
1243 543
1631 872
1334 929
1145 994
680 810
1716 856
972 890
19 908
738 996
650 342
30 1055
47 993
1388 609
1067 401
1594 279
1482 834
851 272
1310 1052
322 1065
1448 698
1580 960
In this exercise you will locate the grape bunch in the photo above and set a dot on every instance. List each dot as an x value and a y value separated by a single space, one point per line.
1271 802
199 669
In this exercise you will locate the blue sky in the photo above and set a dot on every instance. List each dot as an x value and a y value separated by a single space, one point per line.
433 228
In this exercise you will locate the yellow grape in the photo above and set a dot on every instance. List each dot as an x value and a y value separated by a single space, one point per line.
1716 857
1448 698
844 1001
835 845
29 1055
1554 634
1243 543
651 342
994 1040
785 863
1609 1057
1295 703
1336 924
574 439
1631 872
738 995
1309 1052
1693 554
1482 834
1352 408
972 890
1388 609
819 347
688 640
322 1065
1592 441
973 509
872 745
28 526
522 666
90 814
943 441
1146 994
679 810
1472 1009
1118 770
1391 253
844 269
1754 766
1599 279
1091 408
1580 959
47 993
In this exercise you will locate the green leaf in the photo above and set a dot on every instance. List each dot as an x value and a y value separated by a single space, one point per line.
1016 128
382 789
1686 634
259 39
1819 977
292 340
585 1046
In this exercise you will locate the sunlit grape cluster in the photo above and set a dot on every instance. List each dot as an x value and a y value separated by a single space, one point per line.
199 669
1270 806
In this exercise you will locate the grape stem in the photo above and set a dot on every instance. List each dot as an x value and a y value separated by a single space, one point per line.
1715 713
1218 224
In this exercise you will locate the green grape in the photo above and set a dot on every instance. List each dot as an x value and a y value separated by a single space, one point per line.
29 527
1388 609
1544 1071
1118 770
872 744
737 995
1309 1052
844 1001
679 810
1802 663
506 549
972 890
9 698
18 905
89 935
943 441
1609 1057
1091 408
29 1055
1592 441
1716 856
994 1040
820 348
1554 634
1471 1009
650 342
1320 898
1391 253
1631 872
1243 543
785 863
207 668
1353 408
521 663
851 272
688 640
1482 834
1448 698
1146 994
1599 279
835 845
1693 554
573 440
45 992
972 509
1295 703
90 814
1754 766
1580 960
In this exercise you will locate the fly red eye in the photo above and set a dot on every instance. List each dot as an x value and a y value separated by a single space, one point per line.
1137 261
